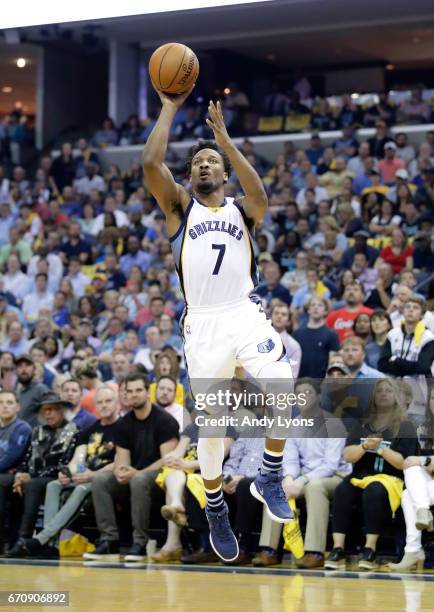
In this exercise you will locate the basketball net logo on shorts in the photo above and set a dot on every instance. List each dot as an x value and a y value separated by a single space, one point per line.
267 346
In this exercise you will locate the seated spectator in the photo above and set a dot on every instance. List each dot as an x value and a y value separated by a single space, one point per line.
380 327
271 288
75 246
382 224
362 327
296 278
311 184
88 376
52 445
377 449
333 179
409 351
29 392
17 245
313 288
39 354
94 453
280 321
136 467
114 331
84 156
378 141
399 254
423 254
165 398
410 219
71 393
15 281
167 363
390 164
153 344
63 167
342 320
14 438
42 298
346 145
380 296
121 366
404 150
414 111
15 343
8 377
107 135
134 257
350 113
317 340
380 111
78 280
353 355
322 118
418 495
315 151
131 132
363 272
91 181
358 165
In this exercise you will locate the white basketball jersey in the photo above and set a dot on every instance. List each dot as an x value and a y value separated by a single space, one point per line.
214 254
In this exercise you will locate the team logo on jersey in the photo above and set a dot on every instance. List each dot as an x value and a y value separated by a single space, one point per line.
267 346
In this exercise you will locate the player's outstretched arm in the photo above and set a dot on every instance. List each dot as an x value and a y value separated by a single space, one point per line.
255 201
158 176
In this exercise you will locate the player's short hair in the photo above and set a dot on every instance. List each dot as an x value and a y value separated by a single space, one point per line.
208 144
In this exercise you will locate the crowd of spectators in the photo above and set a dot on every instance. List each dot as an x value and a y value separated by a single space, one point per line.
90 301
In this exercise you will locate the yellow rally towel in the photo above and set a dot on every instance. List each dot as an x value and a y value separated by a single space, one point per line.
394 487
293 540
320 288
73 544
194 484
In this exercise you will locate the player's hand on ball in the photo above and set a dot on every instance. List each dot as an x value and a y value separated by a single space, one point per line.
216 123
173 100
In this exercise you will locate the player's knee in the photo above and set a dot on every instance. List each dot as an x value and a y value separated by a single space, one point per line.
276 369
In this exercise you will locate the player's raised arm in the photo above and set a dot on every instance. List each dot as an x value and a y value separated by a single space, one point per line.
255 201
158 176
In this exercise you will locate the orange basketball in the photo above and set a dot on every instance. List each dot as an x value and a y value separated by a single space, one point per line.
173 68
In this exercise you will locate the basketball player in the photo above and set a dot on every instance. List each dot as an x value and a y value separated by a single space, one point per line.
211 239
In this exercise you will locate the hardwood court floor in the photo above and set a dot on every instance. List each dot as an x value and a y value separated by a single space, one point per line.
210 589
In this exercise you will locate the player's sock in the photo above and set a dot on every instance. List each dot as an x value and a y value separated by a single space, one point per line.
215 499
271 461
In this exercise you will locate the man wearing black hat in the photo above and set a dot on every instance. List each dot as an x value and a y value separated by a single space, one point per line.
51 446
28 390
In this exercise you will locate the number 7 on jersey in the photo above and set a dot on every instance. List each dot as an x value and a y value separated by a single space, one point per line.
221 248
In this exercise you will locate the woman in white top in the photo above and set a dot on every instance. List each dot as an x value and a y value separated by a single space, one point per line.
384 222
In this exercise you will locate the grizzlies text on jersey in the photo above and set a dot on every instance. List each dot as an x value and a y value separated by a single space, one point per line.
214 256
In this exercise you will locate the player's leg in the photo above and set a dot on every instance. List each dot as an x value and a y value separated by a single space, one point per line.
267 486
261 353
209 359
